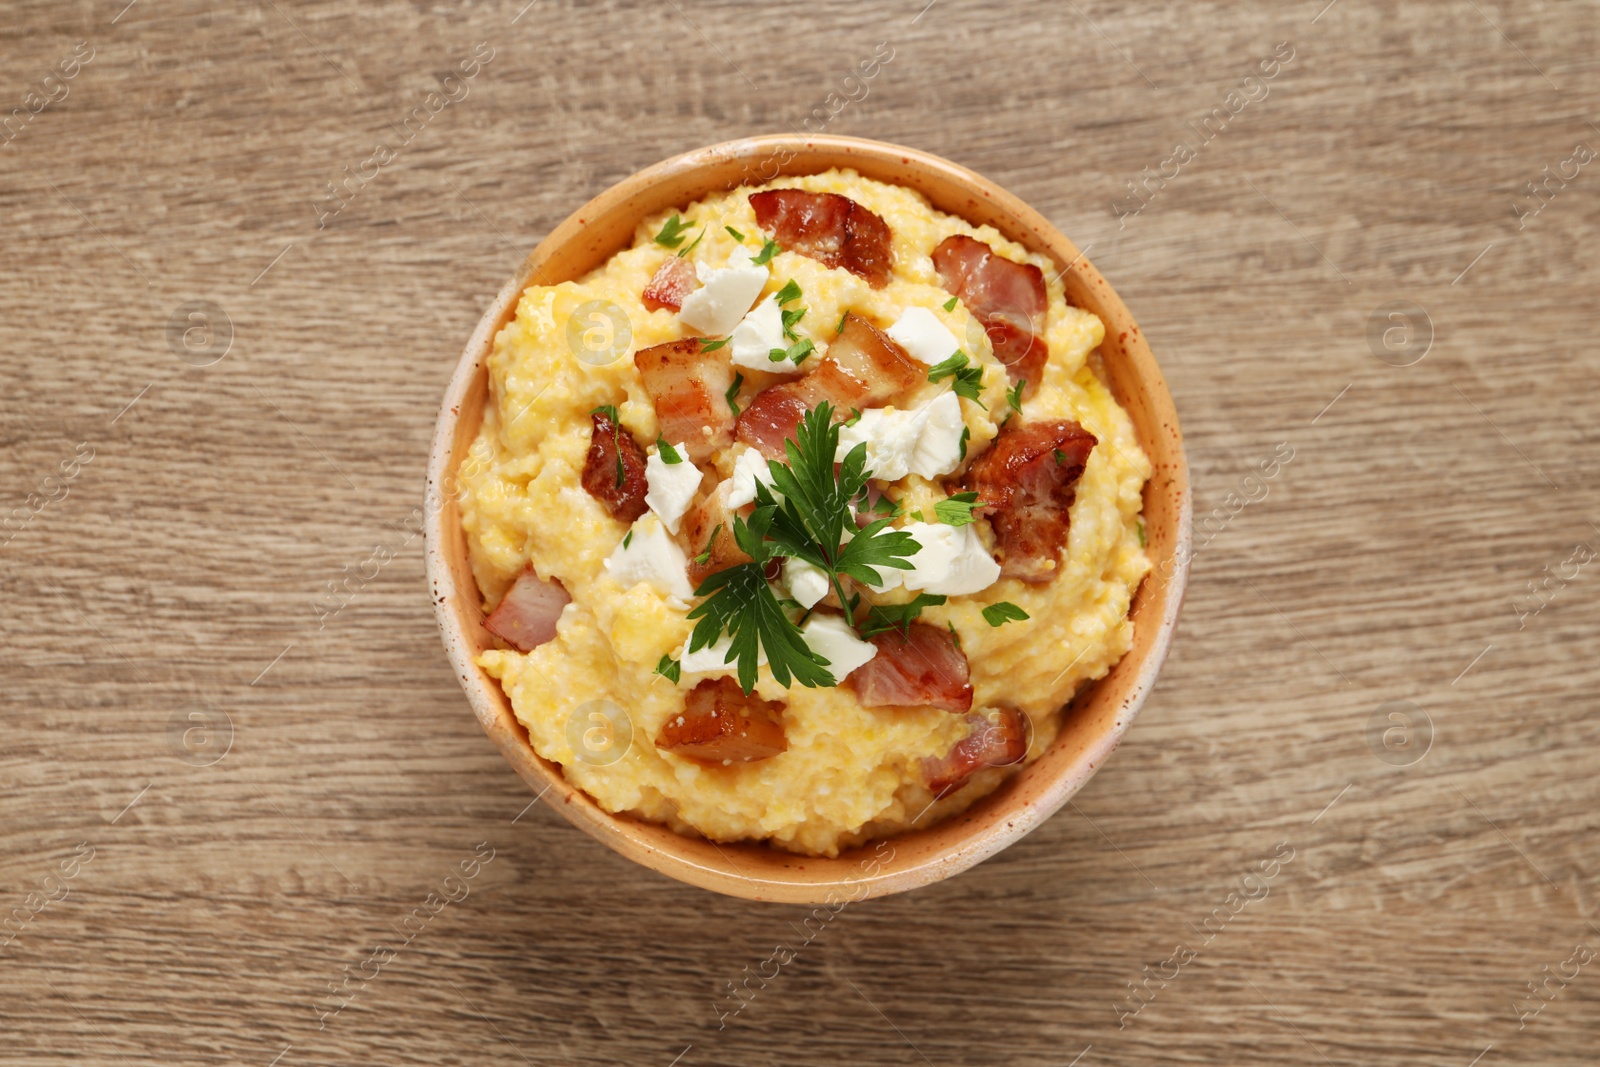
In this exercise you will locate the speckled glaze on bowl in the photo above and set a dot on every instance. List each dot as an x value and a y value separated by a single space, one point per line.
1097 717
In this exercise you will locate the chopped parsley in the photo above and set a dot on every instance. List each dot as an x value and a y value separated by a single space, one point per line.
609 411
790 291
795 353
881 617
712 346
950 305
809 523
670 669
735 234
966 435
668 454
671 235
957 510
705 557
1002 613
954 635
764 257
627 538
840 328
968 379
733 391
788 294
686 251
1014 395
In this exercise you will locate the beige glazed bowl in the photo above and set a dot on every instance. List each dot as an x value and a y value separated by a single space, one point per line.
1098 716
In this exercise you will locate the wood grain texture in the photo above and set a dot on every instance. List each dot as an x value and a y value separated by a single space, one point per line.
182 570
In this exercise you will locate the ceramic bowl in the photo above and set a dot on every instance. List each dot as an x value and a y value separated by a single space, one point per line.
1098 716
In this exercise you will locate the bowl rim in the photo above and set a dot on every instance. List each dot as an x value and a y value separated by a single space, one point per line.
787 877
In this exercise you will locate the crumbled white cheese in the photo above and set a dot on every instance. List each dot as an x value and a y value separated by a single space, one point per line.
938 448
750 468
712 658
807 583
920 333
924 441
725 295
651 555
830 637
951 560
672 486
757 334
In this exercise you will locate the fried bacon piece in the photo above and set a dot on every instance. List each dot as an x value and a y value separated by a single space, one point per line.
613 471
526 616
707 530
721 722
673 280
989 744
863 368
923 667
831 229
1026 483
1007 298
690 390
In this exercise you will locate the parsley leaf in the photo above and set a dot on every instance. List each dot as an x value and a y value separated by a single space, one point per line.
968 379
1002 613
966 435
735 234
790 318
1014 395
686 251
954 634
670 669
790 291
950 305
957 510
712 346
733 391
668 454
881 617
671 235
627 538
764 257
840 328
796 352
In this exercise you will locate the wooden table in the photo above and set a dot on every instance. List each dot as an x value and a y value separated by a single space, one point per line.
240 790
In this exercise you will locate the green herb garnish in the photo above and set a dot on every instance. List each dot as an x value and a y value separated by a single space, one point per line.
968 379
668 454
1014 395
1002 613
881 617
966 435
840 328
733 391
954 634
795 353
686 251
671 235
764 257
956 510
791 316
705 557
735 234
790 291
712 346
950 305
627 538
669 669
609 411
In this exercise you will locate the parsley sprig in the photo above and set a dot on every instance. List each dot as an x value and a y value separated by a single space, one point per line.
671 235
808 519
